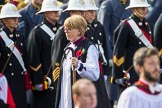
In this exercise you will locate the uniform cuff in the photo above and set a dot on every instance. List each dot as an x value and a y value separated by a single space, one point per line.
80 66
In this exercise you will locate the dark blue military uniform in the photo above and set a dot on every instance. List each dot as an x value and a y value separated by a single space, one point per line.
126 44
39 55
13 71
63 15
153 15
98 2
158 37
158 33
95 32
110 14
29 19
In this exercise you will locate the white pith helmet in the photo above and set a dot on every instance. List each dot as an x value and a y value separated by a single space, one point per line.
49 5
138 3
76 5
27 1
91 5
9 11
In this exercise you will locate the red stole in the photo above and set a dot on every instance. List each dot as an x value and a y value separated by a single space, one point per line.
145 87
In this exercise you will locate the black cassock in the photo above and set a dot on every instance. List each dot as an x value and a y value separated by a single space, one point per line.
158 38
126 44
39 56
13 71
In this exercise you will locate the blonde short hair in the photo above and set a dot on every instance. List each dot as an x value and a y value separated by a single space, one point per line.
76 22
77 85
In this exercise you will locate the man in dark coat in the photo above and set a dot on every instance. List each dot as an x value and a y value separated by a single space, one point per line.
127 40
110 14
158 38
96 28
154 13
63 15
12 54
39 55
29 18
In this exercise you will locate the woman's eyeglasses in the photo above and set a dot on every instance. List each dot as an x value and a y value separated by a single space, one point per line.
67 29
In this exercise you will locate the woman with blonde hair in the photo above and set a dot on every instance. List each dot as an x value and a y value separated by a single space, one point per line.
85 61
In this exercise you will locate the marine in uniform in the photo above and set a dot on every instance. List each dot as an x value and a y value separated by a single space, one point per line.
127 40
96 34
110 14
13 54
39 55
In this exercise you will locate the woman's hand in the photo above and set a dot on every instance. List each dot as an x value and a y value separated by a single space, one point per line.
74 61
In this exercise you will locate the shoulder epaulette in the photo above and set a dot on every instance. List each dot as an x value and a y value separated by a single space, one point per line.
1 29
61 27
39 25
124 20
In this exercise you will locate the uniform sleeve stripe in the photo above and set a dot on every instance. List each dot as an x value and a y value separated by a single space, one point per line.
117 61
56 76
37 68
54 73
56 69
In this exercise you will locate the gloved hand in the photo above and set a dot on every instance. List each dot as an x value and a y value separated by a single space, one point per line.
105 77
46 83
122 81
44 86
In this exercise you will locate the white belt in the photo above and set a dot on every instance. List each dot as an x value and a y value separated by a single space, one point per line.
10 44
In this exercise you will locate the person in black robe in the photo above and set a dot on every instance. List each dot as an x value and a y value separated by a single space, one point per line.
13 55
126 42
38 48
